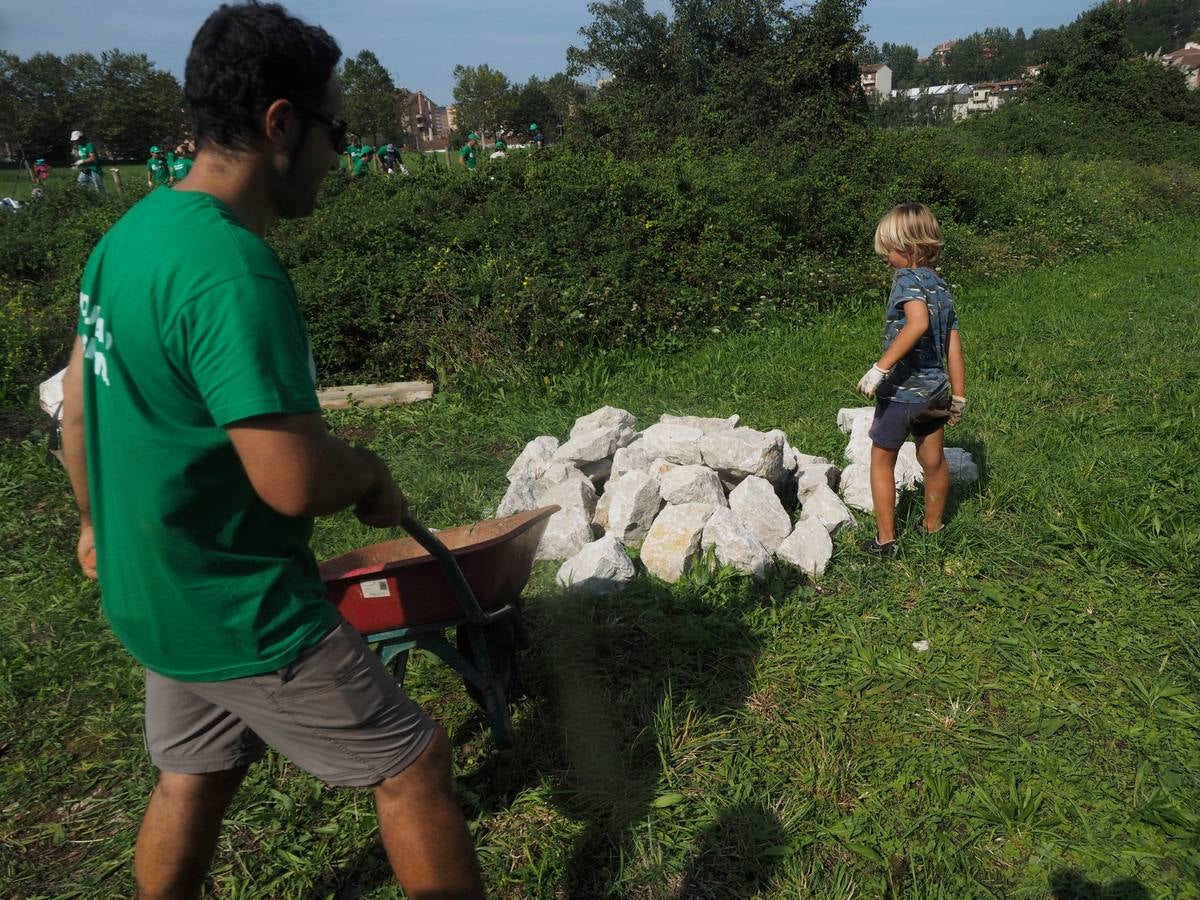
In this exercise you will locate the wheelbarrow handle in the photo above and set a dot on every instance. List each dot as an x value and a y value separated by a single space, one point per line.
439 551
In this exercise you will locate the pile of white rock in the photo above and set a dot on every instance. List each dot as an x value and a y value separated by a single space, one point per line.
686 485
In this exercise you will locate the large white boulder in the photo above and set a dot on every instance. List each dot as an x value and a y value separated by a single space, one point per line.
691 484
741 452
756 504
566 486
605 417
706 425
598 472
630 458
962 465
534 459
600 567
594 445
679 444
673 542
849 417
600 516
816 475
856 487
567 532
858 450
734 544
521 496
808 548
827 508
660 467
633 505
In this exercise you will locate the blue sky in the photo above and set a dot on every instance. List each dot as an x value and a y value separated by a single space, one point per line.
420 41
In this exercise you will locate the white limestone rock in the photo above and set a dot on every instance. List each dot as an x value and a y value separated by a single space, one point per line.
660 467
734 544
673 542
856 487
600 516
630 458
706 425
567 487
756 504
858 450
534 459
691 484
521 496
827 508
909 473
962 465
808 548
679 444
599 568
741 452
592 446
633 504
567 532
597 472
849 417
605 417
816 475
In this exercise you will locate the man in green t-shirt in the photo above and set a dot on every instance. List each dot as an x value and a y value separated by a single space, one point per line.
469 153
87 162
181 165
358 157
157 170
198 458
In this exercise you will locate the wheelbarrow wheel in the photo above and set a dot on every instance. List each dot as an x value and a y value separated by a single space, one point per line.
502 652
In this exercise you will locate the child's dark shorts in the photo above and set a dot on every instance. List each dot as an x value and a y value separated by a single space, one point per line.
895 421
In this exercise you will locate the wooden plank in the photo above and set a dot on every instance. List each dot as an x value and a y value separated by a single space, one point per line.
375 395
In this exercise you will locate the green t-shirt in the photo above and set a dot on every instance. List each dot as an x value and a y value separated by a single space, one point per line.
468 154
158 169
199 578
360 157
180 167
84 151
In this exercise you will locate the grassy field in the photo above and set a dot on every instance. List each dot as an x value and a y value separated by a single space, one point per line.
713 739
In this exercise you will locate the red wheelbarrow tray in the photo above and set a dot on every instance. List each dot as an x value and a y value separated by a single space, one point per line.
398 584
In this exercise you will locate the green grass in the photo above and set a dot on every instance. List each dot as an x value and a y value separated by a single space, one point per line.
713 739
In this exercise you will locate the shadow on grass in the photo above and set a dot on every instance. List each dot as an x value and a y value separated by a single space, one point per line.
1071 884
734 857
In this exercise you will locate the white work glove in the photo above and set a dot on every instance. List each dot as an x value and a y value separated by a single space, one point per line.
77 163
869 382
958 406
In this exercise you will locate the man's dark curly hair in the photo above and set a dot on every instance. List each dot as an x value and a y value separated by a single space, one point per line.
243 59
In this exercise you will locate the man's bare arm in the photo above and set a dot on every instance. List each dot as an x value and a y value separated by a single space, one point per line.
299 469
74 441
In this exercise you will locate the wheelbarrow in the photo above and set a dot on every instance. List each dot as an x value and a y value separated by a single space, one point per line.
408 594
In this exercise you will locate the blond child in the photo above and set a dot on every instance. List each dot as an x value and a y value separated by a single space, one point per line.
919 383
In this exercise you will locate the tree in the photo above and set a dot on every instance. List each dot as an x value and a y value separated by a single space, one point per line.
726 70
902 60
370 98
133 105
483 97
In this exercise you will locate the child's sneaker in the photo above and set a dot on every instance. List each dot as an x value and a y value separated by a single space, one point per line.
883 551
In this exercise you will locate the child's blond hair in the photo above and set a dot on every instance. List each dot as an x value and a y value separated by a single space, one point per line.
912 231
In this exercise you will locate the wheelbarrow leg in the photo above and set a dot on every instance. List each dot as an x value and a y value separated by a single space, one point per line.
495 693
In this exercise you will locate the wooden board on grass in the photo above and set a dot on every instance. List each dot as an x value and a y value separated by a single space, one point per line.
373 395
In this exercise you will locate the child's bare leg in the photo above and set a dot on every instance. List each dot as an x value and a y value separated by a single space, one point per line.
883 491
937 478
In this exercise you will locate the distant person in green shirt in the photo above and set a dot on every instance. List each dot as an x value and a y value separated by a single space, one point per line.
198 458
181 165
468 155
358 157
157 170
87 162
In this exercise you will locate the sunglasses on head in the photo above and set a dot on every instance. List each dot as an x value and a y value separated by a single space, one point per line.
337 127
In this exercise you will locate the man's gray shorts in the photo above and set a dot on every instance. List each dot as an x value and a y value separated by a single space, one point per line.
335 712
